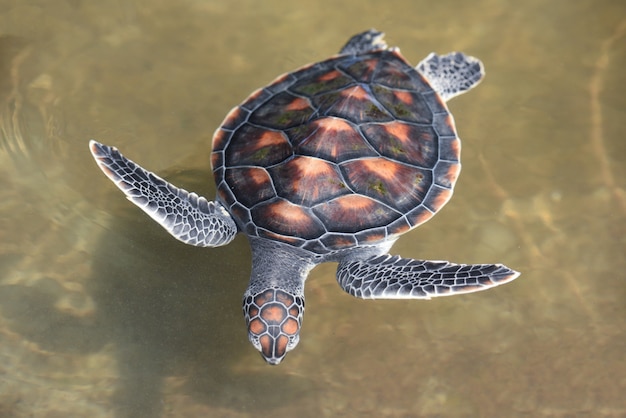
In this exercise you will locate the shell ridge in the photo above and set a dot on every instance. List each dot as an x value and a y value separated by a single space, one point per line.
344 73
368 88
367 142
380 202
399 162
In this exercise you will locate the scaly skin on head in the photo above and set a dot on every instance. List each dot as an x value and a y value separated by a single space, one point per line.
273 304
274 318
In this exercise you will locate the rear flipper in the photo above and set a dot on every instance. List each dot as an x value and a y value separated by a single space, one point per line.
451 74
370 40
188 217
392 277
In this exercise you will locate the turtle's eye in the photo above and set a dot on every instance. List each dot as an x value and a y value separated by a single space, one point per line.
273 318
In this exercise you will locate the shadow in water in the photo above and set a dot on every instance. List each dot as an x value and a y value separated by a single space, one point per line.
168 310
175 311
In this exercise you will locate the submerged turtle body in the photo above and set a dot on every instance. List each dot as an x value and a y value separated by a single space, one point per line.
350 151
331 162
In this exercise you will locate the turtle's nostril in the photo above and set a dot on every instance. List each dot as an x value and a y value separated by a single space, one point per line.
272 361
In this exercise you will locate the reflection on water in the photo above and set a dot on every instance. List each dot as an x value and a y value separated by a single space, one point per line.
103 314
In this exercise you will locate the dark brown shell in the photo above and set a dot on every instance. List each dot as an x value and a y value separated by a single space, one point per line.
348 151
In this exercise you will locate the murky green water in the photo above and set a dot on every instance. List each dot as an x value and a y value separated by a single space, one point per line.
102 314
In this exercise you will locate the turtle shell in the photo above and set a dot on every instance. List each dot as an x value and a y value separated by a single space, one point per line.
349 151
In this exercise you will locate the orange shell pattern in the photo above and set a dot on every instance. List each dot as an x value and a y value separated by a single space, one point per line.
349 151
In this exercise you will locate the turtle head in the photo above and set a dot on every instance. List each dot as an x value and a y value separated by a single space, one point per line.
273 317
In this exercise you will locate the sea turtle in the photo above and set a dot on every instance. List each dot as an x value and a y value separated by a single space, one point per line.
331 162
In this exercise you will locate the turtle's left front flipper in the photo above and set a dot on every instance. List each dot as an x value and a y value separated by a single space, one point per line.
188 217
392 277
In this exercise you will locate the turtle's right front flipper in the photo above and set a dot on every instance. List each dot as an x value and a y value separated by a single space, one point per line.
188 217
